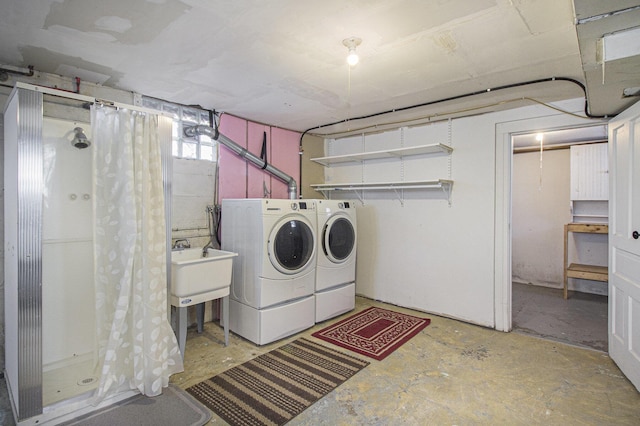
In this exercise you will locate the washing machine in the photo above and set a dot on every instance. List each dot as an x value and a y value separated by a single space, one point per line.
336 265
273 284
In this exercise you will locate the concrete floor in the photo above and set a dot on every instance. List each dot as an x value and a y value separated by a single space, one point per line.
580 320
452 373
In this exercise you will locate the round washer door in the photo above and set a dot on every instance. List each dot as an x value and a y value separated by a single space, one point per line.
291 245
338 239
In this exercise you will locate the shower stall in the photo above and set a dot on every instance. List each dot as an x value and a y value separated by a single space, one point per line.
52 354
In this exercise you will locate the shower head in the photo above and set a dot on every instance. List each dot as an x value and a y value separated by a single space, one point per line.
80 140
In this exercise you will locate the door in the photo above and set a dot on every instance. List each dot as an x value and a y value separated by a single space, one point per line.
291 245
338 239
624 242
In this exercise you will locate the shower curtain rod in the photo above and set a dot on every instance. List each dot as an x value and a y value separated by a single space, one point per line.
84 98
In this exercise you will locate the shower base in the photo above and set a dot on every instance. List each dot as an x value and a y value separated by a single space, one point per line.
68 381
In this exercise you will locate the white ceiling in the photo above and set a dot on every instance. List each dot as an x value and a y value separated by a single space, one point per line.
282 62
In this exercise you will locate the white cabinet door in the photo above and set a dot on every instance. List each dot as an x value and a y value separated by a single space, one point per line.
624 242
589 172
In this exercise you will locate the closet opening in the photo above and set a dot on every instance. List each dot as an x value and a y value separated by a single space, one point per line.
559 214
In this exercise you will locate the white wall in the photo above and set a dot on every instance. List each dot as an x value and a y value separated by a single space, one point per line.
539 215
192 191
429 255
426 254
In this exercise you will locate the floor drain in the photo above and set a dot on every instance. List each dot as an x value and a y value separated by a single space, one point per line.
87 381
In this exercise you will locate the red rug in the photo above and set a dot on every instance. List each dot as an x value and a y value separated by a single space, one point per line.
374 332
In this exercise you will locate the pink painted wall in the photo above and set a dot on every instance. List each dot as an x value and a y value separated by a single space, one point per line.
239 179
285 148
232 177
257 179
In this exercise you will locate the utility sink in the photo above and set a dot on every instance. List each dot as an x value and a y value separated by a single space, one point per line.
194 276
196 279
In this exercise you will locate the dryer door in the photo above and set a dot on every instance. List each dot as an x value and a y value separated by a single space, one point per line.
291 245
338 239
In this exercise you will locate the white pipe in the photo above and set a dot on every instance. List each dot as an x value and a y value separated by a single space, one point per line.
242 152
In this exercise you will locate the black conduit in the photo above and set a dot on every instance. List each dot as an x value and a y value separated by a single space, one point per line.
466 95
263 152
218 213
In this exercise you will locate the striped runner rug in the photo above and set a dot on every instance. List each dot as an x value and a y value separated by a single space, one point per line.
277 386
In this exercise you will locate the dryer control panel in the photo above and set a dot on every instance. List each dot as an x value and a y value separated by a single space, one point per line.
283 206
303 205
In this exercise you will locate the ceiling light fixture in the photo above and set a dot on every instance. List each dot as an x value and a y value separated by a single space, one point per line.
351 43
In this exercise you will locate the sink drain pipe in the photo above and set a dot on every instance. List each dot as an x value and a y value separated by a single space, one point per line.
243 153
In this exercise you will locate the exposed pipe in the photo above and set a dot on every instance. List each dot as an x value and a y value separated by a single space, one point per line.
243 153
5 70
606 15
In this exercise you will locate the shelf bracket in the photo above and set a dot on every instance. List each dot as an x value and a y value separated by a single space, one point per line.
446 189
399 195
326 194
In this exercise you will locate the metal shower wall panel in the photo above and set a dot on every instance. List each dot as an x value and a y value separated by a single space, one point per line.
10 238
29 252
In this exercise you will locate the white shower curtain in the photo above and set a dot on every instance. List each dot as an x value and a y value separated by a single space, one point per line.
137 347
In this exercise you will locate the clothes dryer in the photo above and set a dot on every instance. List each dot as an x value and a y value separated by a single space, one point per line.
336 265
273 284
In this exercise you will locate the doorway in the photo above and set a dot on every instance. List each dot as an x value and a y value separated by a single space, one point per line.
541 204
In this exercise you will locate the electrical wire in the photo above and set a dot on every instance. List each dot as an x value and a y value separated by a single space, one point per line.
214 214
466 95
429 118
457 97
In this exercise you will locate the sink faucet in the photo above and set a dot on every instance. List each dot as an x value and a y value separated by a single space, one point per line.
181 244
205 249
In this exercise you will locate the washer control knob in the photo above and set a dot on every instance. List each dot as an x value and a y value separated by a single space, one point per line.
294 206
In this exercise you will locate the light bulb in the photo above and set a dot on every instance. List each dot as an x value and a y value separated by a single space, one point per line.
353 58
351 43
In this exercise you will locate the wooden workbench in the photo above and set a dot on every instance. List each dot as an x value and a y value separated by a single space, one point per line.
579 270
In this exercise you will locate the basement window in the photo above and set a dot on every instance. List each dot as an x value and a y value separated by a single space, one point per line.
199 147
